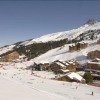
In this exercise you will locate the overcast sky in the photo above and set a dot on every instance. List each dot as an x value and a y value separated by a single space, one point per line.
26 19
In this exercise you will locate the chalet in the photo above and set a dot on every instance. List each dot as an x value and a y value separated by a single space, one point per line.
98 42
78 46
93 66
9 56
93 54
37 67
72 65
62 71
61 66
45 66
56 66
96 60
71 77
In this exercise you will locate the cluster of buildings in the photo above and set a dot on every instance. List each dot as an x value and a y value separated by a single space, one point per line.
58 65
66 69
9 56
98 42
93 54
78 46
93 66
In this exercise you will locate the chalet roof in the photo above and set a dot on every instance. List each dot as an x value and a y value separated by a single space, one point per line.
62 65
82 42
98 63
94 51
71 61
64 70
73 75
78 43
22 56
65 63
96 60
98 40
81 73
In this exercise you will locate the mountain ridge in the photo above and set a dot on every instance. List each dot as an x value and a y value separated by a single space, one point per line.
35 47
71 34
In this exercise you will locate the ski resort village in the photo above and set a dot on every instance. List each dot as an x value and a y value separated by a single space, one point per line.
58 66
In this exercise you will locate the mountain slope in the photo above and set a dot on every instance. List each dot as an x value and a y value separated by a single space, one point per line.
63 54
71 34
36 47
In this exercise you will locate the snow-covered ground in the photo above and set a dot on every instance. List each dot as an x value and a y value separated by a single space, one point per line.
6 49
19 84
63 54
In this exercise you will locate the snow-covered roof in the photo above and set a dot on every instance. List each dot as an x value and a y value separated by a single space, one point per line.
81 73
22 56
70 62
62 65
75 76
66 63
64 70
97 59
94 63
73 44
82 42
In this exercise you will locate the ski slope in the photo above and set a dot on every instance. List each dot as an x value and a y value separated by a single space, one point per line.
19 84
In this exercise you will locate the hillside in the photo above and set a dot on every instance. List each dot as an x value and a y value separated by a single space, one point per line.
18 81
55 46
70 35
63 54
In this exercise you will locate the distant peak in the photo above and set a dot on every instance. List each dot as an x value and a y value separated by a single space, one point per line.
91 21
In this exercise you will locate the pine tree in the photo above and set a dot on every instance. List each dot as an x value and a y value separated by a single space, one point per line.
88 77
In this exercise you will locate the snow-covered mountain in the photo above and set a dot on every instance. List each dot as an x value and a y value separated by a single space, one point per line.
71 34
17 83
89 33
63 54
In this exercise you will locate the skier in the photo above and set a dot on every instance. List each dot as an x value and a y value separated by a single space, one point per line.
92 93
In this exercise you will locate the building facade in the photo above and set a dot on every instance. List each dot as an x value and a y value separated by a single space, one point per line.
9 57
